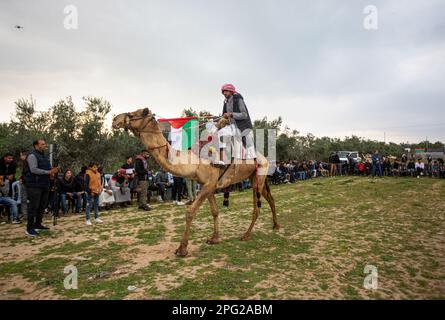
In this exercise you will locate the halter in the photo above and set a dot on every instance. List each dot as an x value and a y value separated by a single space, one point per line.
129 118
149 117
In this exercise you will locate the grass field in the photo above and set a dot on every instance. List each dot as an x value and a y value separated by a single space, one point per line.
331 230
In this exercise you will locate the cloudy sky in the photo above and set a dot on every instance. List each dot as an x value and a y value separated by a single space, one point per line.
311 61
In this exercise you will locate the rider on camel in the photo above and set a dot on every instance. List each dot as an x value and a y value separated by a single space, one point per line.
235 110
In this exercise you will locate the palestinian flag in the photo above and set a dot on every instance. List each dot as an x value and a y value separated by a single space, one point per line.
183 132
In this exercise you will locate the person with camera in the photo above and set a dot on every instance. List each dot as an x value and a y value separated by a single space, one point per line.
377 164
37 171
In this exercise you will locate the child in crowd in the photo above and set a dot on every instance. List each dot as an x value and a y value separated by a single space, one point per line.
93 188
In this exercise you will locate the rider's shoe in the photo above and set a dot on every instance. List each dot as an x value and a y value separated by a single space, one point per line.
219 164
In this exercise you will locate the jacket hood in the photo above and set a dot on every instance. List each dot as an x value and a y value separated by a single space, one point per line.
89 171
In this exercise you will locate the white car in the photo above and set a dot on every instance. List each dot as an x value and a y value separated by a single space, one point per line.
345 155
355 155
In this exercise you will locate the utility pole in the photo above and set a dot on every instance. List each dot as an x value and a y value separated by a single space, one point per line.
384 137
426 144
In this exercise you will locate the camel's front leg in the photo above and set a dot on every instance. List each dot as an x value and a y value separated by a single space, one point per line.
215 212
191 212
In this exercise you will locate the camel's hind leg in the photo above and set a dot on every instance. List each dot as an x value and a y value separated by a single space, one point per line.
256 209
269 198
215 212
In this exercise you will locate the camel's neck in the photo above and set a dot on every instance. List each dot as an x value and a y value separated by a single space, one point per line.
159 149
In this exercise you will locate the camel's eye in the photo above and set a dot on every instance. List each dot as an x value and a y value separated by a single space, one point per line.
145 112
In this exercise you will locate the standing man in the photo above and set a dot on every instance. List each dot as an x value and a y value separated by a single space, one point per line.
141 168
376 164
37 170
235 110
334 159
177 190
191 191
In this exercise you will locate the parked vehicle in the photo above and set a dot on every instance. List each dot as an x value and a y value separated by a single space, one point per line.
355 155
345 155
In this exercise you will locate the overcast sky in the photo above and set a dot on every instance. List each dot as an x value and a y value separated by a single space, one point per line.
312 61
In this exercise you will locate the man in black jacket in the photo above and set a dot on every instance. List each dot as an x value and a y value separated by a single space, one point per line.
37 170
141 168
334 161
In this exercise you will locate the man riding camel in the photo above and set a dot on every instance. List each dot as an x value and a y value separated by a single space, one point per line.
240 128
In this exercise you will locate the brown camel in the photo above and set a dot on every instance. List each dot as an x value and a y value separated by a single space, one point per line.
188 165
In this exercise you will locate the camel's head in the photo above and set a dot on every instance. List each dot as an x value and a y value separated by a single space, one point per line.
137 121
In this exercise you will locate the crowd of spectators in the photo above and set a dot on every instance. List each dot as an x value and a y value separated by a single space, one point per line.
91 190
373 166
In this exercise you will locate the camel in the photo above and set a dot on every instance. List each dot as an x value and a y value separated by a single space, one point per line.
143 124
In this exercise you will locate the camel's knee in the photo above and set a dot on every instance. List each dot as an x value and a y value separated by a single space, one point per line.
189 216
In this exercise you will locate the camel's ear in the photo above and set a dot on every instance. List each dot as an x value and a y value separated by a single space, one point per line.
145 112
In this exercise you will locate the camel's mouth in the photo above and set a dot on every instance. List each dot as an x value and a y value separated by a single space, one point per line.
117 123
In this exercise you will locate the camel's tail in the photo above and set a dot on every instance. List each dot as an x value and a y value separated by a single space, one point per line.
258 191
